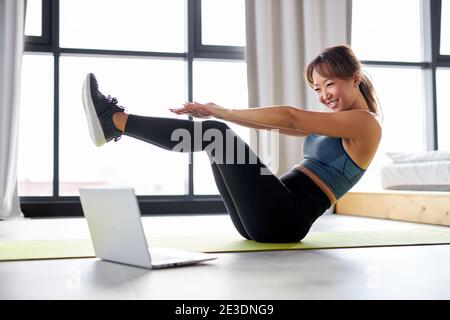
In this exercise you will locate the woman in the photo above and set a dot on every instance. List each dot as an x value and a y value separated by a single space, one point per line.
337 150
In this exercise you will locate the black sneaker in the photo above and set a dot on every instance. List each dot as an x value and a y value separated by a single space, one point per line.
99 110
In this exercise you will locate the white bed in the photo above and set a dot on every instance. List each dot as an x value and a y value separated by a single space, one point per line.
426 171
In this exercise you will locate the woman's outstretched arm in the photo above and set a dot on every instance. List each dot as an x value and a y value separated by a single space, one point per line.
298 133
346 124
275 117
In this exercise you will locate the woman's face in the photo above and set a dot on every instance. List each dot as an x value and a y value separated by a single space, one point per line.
336 94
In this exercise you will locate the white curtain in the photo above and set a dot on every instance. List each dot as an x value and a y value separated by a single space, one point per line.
282 37
11 49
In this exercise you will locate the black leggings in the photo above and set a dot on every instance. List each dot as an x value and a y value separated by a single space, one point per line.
262 207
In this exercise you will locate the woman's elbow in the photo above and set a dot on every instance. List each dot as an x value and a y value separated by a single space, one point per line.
292 118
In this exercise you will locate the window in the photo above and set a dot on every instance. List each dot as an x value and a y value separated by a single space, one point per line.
145 53
443 78
216 15
443 110
233 77
33 18
377 31
145 87
137 25
401 58
445 28
400 93
35 154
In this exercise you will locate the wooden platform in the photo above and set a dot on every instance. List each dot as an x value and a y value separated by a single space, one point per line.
414 206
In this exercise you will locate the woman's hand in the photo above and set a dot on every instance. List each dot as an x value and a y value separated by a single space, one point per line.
198 110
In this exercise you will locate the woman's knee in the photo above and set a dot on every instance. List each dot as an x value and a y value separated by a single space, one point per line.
216 137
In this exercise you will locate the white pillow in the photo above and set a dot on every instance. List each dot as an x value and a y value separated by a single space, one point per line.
405 157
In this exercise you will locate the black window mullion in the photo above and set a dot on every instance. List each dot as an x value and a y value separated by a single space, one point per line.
122 53
193 17
435 8
56 55
440 60
396 63
46 20
224 55
56 125
444 61
197 24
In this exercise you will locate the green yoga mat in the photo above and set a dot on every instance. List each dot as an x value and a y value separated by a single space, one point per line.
82 248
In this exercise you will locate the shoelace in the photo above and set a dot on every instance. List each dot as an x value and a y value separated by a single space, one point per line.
111 99
114 101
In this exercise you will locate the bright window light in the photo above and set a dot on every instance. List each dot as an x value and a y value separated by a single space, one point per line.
387 30
35 157
33 18
231 78
445 27
223 22
146 87
443 108
137 25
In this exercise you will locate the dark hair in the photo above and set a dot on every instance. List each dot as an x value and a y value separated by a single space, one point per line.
340 62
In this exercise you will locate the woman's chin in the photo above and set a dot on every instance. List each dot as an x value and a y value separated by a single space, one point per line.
335 109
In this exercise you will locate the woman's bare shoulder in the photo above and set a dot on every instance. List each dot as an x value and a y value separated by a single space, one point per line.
373 123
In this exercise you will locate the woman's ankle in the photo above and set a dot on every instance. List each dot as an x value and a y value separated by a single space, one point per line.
120 120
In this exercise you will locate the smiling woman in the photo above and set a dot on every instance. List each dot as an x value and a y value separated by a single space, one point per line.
337 78
339 147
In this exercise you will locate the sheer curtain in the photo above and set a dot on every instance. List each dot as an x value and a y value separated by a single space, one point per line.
282 37
11 49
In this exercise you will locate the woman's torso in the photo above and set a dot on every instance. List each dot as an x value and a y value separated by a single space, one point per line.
361 151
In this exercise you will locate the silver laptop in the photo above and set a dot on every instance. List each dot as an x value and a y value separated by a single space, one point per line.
114 221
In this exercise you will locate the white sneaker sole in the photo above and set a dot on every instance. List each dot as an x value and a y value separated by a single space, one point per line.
95 128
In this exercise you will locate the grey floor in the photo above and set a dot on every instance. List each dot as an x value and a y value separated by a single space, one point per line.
404 272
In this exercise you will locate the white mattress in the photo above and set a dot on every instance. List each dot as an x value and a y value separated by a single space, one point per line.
431 175
409 157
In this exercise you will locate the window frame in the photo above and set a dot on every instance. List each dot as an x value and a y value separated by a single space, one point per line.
441 58
211 51
66 206
438 60
432 59
44 39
